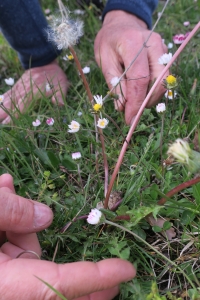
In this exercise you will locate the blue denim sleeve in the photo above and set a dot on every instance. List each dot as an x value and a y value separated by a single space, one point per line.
143 9
23 24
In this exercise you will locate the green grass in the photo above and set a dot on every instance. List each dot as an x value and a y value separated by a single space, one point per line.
28 153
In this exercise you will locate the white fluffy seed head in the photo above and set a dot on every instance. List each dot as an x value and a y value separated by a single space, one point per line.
64 32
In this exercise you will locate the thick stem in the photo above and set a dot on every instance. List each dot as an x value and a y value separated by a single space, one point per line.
178 188
161 136
90 96
98 130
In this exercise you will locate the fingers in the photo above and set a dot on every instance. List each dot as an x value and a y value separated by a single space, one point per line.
12 221
33 84
6 180
105 295
73 280
21 215
100 276
155 50
111 68
145 70
137 80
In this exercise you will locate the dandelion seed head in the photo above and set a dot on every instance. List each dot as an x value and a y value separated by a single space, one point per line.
64 32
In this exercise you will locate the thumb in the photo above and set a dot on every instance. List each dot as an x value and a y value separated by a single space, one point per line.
21 215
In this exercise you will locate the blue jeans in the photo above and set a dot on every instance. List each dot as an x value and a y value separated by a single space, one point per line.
23 24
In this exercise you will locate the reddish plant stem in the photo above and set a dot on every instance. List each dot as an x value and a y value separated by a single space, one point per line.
179 188
90 96
105 161
137 118
162 201
98 130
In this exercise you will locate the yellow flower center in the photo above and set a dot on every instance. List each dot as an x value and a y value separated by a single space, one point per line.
171 79
97 107
102 123
170 94
70 57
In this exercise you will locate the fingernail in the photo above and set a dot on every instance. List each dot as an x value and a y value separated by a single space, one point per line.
42 215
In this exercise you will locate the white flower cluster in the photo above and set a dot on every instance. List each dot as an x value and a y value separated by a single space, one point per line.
64 32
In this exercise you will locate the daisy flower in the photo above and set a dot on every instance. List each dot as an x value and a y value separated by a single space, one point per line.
99 103
186 23
178 39
169 94
50 121
36 123
86 70
94 216
170 45
160 108
73 127
48 87
102 123
76 155
114 81
165 58
9 81
1 99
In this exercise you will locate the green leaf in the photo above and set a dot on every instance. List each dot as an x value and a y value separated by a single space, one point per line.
167 225
69 164
53 159
42 154
122 210
137 214
125 254
157 228
187 217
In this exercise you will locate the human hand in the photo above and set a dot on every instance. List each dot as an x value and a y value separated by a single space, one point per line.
117 43
81 281
32 84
